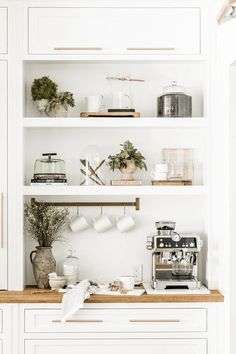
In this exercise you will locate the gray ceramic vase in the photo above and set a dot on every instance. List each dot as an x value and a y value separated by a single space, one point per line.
43 264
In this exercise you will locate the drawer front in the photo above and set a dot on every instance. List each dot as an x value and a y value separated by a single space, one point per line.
137 346
3 30
117 320
129 30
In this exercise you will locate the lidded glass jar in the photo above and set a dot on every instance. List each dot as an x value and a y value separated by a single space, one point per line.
49 167
70 269
180 164
174 102
92 167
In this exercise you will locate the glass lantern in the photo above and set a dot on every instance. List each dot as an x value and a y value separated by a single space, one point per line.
92 167
180 164
70 269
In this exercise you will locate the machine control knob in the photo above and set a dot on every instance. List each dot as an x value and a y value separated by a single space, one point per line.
191 244
161 244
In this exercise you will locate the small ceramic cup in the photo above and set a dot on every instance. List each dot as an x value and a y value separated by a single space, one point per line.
125 223
56 282
127 282
102 223
160 172
79 223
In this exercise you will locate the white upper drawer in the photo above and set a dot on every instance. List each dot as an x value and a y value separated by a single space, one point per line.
114 30
3 30
117 320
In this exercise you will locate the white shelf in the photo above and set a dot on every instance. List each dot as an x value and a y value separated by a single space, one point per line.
143 122
112 190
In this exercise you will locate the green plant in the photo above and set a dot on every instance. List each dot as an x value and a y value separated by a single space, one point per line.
43 88
64 99
45 223
127 153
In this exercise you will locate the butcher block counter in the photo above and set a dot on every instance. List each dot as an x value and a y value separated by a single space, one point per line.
34 295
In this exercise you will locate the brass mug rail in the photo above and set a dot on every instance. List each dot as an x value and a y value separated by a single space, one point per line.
135 204
78 321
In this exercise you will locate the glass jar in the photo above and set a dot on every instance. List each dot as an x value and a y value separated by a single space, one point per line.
92 167
180 164
49 166
70 269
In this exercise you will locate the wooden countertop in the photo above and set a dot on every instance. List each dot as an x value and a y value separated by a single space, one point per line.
34 295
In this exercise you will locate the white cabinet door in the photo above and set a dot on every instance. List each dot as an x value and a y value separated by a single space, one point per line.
3 174
117 30
129 346
3 30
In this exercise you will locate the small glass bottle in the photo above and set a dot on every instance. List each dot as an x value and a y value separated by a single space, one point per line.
70 269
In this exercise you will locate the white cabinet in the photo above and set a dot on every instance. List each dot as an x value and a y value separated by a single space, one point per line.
114 30
3 30
3 174
117 320
129 346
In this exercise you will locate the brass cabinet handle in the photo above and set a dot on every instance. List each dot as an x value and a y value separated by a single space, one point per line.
77 48
154 321
149 48
1 220
79 321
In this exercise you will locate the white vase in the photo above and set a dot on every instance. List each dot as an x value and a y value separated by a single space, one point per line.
127 172
58 111
42 106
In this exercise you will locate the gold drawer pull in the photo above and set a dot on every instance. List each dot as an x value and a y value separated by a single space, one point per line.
160 49
79 321
77 48
154 321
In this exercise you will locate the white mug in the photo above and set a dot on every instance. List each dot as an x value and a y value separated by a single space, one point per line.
125 223
94 103
102 223
79 223
160 172
121 100
127 282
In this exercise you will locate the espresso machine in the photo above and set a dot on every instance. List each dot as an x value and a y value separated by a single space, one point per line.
174 258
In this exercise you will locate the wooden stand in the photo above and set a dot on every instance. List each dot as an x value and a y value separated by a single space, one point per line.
172 183
110 114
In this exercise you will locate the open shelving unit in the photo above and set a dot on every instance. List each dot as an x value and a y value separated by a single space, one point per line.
112 190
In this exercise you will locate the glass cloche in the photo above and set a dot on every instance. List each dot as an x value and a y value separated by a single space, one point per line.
70 269
49 167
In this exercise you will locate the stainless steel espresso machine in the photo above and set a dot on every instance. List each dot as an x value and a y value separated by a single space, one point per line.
175 258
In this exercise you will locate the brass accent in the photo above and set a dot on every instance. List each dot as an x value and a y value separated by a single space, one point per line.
155 321
78 321
135 204
149 48
77 48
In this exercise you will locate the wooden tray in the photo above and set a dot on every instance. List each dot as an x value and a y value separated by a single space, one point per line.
172 183
110 114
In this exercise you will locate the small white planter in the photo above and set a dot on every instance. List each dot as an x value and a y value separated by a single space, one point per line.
42 106
127 172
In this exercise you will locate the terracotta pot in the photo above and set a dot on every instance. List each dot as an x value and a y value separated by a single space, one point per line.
127 172
43 264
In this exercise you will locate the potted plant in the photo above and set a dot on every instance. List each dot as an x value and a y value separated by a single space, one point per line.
59 104
127 161
44 224
42 91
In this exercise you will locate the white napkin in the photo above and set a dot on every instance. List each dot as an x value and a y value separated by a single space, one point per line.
74 299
